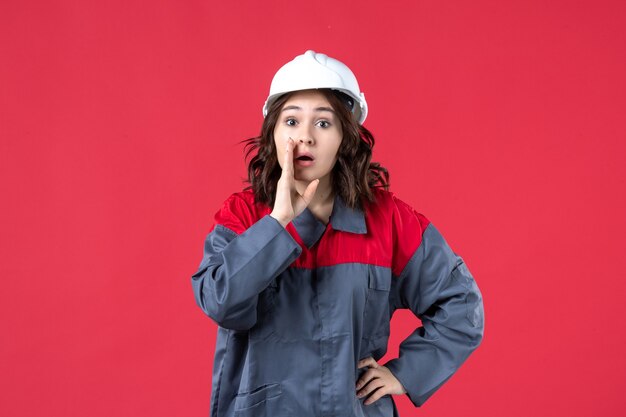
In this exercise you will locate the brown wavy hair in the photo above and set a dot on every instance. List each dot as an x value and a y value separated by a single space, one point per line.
353 176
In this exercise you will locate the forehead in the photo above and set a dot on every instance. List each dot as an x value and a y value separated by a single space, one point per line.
307 98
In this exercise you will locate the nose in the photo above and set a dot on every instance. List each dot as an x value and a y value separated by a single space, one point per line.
304 135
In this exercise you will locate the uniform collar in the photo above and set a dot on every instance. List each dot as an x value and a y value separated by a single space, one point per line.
343 218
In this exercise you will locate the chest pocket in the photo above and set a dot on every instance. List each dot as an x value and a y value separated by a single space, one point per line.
376 315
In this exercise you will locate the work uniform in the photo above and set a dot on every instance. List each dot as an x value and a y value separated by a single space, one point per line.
298 307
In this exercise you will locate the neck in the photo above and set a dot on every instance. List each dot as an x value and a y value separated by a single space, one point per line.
323 195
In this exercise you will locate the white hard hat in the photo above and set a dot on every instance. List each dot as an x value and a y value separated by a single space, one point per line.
314 70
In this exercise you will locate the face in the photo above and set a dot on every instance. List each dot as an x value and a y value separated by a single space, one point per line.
308 118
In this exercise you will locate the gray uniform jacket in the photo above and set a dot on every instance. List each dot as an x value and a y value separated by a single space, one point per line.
298 307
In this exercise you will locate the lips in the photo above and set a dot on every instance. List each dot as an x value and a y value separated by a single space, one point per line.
304 156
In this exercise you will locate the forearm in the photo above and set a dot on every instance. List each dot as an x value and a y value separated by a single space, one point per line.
228 282
438 287
432 353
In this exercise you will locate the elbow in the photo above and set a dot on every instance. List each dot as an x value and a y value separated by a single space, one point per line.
221 309
477 338
476 316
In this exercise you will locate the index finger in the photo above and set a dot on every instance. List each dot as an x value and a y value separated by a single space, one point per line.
288 159
369 361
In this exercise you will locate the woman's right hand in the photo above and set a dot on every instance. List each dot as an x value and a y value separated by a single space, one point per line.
289 203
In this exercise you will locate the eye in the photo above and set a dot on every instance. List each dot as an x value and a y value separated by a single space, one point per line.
290 122
323 124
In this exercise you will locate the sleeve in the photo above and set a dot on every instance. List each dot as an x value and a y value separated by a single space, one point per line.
436 285
240 260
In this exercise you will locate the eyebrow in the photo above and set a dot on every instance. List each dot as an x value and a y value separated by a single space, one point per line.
318 109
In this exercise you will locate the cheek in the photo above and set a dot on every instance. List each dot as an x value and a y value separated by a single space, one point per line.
330 160
279 134
280 143
277 144
336 150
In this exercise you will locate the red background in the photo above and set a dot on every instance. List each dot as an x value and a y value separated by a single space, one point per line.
502 122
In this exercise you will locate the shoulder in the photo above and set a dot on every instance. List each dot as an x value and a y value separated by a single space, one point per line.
239 211
402 213
406 225
244 198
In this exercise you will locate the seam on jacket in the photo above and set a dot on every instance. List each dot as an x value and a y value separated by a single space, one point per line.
232 232
207 259
236 271
412 257
404 273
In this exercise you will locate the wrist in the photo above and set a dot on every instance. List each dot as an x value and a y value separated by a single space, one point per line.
283 222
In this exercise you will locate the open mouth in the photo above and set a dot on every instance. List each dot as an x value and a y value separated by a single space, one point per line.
304 161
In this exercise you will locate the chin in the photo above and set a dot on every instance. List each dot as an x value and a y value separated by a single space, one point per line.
306 177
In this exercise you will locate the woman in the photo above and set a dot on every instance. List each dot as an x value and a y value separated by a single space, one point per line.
304 268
